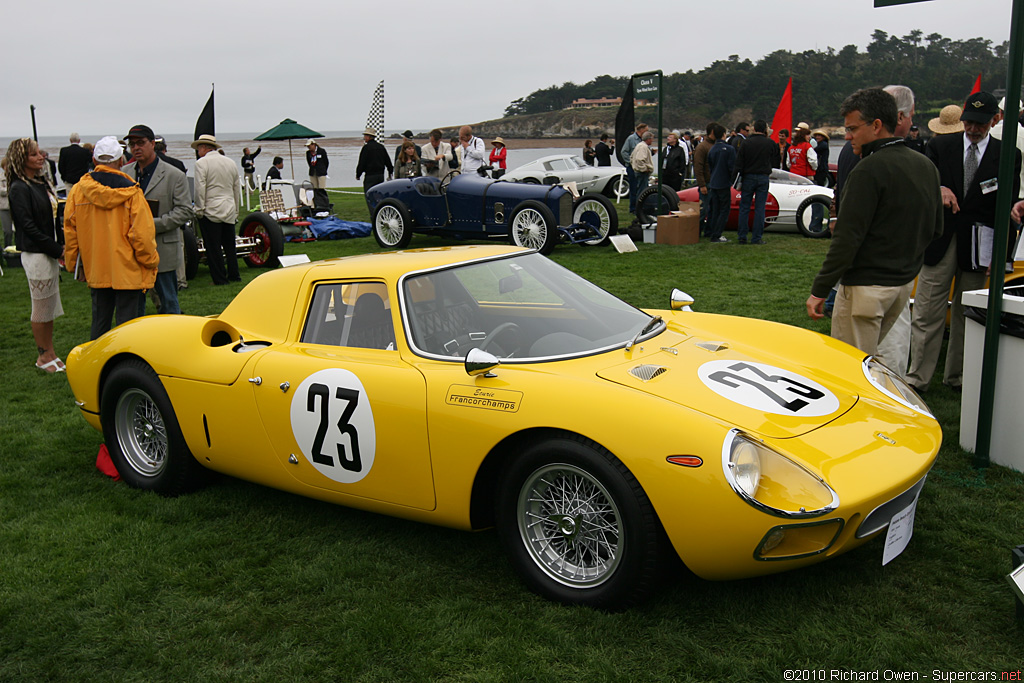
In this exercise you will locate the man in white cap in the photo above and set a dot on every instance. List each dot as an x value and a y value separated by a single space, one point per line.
218 193
110 239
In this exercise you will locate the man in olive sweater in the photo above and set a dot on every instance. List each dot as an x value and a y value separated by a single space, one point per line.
892 210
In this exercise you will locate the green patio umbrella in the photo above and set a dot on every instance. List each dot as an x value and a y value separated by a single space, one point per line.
289 130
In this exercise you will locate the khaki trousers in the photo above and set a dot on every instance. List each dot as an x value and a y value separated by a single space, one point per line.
864 314
319 182
929 320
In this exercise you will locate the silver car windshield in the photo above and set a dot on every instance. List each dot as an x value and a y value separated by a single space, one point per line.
517 308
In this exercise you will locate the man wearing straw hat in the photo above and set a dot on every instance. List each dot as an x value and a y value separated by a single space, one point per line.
218 193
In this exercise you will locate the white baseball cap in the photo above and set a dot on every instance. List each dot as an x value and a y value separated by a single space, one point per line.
107 149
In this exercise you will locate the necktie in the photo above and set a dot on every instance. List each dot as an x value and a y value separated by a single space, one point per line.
970 166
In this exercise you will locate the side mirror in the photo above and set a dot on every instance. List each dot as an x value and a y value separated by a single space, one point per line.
680 300
479 362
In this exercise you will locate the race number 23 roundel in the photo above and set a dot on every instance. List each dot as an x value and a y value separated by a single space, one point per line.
768 388
333 425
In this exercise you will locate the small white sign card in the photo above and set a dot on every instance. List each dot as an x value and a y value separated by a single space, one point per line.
901 529
622 243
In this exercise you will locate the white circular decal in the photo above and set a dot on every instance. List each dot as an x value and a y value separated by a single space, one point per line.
333 424
767 388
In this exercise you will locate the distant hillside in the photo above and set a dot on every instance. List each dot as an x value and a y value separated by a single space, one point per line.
939 70
580 123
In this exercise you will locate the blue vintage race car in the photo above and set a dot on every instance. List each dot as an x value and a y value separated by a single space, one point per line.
475 207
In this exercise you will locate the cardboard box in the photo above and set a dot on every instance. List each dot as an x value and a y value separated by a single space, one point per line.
680 227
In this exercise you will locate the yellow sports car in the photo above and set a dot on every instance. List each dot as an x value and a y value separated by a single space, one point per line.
484 386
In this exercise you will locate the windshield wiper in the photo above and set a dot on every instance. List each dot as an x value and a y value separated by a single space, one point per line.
648 326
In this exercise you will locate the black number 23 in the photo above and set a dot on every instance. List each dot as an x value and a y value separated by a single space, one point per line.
761 379
348 458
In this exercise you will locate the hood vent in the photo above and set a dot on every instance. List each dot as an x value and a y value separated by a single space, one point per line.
713 346
646 373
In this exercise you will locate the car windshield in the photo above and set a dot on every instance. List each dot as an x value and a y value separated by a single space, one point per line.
786 178
517 308
576 161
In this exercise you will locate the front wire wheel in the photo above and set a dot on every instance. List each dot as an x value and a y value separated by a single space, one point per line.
570 525
532 225
596 212
577 525
392 225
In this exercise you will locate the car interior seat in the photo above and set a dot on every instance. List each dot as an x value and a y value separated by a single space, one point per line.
371 324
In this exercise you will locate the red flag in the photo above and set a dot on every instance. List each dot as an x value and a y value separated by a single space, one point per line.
783 118
977 86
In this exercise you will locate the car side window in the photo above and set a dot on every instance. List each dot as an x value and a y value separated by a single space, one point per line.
353 314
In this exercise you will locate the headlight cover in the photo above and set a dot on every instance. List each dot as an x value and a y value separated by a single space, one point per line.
894 386
771 482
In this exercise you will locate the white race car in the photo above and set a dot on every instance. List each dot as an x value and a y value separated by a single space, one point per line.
565 168
794 204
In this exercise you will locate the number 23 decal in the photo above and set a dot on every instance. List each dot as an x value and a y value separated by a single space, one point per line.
332 422
768 388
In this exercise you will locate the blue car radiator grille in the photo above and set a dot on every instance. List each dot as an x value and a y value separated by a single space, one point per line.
565 210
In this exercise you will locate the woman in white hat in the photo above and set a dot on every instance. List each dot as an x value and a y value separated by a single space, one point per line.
497 159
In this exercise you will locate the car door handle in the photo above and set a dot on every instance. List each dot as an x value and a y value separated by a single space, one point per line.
256 380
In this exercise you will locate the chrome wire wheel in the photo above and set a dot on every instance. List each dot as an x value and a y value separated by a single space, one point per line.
570 525
529 229
390 225
591 212
141 433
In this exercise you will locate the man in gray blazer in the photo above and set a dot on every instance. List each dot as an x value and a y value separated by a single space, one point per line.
166 190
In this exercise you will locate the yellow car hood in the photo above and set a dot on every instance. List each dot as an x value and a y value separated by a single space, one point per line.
777 386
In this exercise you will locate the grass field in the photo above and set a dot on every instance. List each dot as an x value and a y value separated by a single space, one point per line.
100 582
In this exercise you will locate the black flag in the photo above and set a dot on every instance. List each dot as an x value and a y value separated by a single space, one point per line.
624 122
204 124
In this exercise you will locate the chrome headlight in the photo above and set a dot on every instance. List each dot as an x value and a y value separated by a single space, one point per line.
773 483
894 386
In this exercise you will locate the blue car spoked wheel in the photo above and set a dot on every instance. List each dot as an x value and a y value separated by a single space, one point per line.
597 214
532 225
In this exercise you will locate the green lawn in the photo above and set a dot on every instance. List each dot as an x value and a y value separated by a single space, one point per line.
100 582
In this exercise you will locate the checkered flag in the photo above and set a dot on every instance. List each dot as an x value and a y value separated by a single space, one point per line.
375 119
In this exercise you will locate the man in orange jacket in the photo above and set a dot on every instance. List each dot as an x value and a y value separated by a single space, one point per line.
110 239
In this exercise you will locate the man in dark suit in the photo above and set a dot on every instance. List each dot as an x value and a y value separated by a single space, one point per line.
968 167
604 150
73 162
675 161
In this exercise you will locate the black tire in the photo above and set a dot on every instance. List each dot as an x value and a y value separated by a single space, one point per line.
532 225
530 181
142 432
191 245
647 203
577 526
269 239
392 224
617 188
803 216
596 211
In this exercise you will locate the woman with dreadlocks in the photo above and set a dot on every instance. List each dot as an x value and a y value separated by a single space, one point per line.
34 210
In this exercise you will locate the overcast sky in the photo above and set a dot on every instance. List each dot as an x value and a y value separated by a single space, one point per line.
100 67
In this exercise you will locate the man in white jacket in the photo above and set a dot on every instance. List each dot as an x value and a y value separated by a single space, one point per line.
218 192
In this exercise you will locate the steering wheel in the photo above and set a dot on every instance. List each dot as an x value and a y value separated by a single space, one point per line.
447 179
497 332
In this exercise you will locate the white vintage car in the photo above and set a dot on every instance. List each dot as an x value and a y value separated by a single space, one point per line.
565 168
794 204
